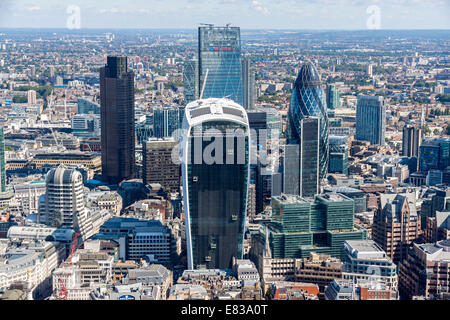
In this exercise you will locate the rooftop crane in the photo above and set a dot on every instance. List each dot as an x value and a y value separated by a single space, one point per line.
49 107
63 293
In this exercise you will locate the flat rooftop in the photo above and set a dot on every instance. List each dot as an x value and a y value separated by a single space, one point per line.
289 198
334 197
364 249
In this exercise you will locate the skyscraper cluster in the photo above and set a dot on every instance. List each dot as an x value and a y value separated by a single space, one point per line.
308 128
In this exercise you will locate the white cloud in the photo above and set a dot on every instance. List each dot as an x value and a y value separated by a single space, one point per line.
258 6
33 9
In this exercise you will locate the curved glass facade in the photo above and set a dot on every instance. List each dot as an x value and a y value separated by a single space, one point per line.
308 99
219 52
215 173
217 202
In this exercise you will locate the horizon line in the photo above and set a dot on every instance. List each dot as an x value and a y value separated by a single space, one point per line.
195 28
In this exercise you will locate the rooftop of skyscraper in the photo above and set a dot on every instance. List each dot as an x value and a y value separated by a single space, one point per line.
289 198
439 251
203 109
333 197
364 249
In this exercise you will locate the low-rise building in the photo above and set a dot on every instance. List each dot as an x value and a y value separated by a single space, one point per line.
287 290
348 290
366 261
318 269
426 271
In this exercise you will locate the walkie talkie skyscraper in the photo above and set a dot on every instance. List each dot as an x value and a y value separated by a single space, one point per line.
215 169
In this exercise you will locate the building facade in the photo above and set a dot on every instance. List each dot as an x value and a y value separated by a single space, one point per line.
333 97
215 186
166 120
371 119
64 197
434 154
308 127
396 224
2 162
338 162
158 165
300 226
220 63
426 271
411 141
117 119
190 81
366 261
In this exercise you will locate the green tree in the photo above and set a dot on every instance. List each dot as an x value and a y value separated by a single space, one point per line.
269 293
20 99
426 130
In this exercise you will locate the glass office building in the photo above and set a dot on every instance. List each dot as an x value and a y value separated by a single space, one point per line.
333 97
371 119
300 226
308 99
117 120
338 162
86 106
434 154
219 53
291 170
190 80
215 192
248 84
166 119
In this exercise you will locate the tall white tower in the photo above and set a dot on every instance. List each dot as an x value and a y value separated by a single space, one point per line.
65 198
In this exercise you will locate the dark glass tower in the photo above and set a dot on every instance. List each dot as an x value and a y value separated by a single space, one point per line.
309 156
308 100
219 52
248 83
215 192
412 138
117 119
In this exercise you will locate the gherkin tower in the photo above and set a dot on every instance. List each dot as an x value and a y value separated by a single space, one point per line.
308 100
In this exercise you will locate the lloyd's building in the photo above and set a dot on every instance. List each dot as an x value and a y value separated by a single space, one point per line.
215 168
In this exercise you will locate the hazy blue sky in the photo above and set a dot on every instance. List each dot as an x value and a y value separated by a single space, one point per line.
248 14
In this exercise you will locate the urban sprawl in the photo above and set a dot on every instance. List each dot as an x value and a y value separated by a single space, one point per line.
224 164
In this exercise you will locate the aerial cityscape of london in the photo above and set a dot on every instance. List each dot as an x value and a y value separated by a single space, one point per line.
228 150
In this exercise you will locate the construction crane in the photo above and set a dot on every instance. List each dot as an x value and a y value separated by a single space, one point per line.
63 294
49 107
204 84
